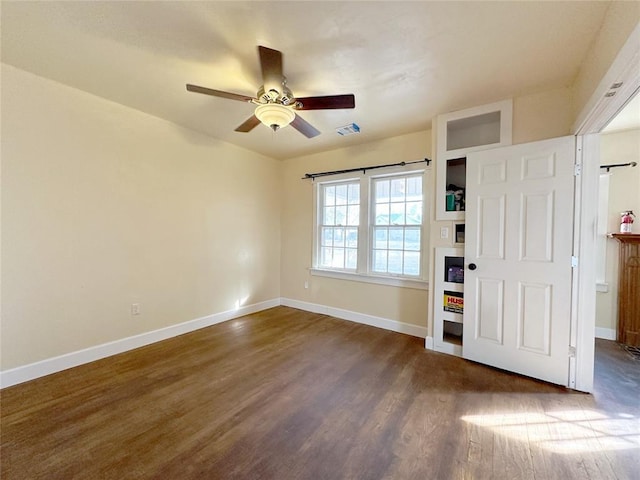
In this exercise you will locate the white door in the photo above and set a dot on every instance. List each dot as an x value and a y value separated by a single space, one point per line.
519 236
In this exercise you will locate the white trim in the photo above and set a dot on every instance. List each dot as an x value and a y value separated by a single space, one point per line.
358 277
91 354
385 323
602 287
583 305
428 343
599 110
597 113
606 333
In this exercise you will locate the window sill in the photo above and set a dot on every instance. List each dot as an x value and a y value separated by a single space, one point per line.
357 277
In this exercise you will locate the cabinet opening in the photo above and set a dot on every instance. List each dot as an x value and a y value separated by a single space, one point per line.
456 184
452 332
473 131
454 269
459 232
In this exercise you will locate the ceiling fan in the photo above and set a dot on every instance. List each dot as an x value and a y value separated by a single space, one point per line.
276 105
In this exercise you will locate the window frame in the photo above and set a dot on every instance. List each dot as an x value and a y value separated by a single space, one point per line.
364 271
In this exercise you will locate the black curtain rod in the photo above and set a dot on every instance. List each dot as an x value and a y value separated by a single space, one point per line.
614 165
313 176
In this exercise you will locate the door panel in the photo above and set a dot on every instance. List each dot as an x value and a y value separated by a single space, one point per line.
490 311
534 320
491 221
536 240
519 234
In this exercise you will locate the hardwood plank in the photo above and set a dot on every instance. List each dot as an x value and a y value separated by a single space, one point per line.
286 394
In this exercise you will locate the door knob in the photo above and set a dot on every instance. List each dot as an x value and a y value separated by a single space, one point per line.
472 266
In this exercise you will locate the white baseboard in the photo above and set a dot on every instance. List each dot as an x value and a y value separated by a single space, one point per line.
91 354
69 360
428 343
606 333
385 323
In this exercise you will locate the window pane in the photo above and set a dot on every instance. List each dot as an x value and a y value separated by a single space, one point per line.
414 213
329 195
341 215
412 239
338 237
329 216
379 260
381 238
341 194
382 214
397 189
338 258
412 263
397 214
354 193
353 215
352 258
414 188
395 262
326 256
352 237
382 191
396 238
326 239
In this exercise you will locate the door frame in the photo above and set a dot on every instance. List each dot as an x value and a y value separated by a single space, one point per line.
596 114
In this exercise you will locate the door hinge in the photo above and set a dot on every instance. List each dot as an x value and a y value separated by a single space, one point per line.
572 352
574 262
577 170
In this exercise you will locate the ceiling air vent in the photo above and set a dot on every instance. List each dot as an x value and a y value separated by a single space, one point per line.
348 129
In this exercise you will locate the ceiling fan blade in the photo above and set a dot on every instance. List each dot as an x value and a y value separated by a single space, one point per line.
271 65
327 102
249 124
305 127
218 93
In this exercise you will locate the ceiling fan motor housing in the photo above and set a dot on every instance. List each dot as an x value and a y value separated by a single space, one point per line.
285 96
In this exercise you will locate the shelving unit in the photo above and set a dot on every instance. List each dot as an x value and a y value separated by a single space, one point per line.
459 133
448 300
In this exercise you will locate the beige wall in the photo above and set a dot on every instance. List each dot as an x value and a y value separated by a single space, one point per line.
104 206
406 305
624 194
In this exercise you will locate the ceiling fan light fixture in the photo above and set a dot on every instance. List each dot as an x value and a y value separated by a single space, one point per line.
274 115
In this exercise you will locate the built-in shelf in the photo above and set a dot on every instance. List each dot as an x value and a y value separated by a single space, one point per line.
448 298
460 133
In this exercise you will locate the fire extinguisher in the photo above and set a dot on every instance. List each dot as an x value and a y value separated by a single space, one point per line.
626 221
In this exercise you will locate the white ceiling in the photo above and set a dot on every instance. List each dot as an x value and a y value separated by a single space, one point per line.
405 61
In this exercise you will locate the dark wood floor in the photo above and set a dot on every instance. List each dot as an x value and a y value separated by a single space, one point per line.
285 394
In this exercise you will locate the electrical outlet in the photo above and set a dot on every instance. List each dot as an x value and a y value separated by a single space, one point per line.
135 309
444 232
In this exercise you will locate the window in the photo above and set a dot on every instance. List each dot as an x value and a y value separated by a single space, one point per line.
339 222
371 228
397 207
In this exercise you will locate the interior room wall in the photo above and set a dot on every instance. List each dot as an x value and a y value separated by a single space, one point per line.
406 305
624 194
104 206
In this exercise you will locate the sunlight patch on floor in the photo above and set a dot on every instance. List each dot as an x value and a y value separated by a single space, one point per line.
572 431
